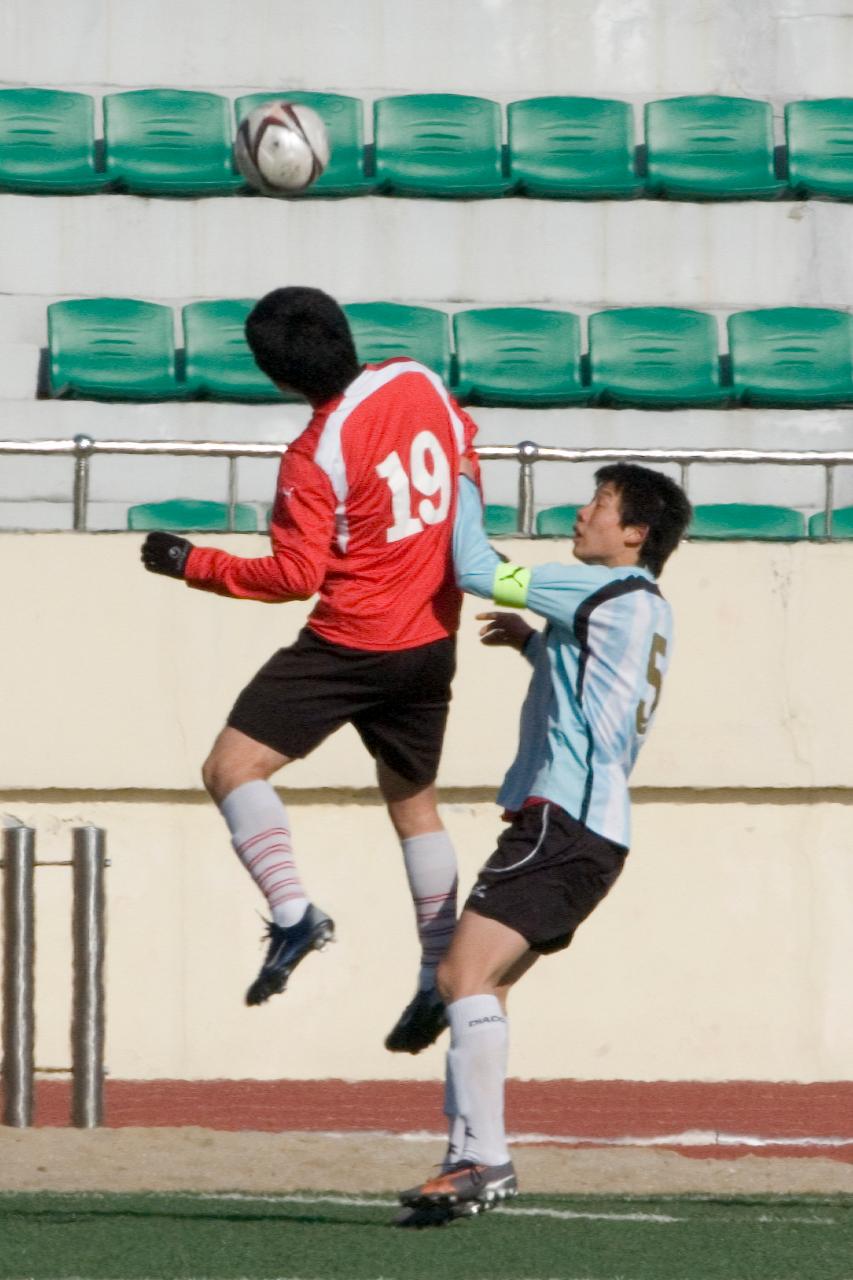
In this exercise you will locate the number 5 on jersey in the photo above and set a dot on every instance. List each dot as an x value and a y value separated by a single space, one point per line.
429 475
654 675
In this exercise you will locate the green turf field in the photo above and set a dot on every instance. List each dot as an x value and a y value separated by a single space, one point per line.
336 1237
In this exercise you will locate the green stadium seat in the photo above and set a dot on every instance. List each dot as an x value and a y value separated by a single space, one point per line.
842 524
500 520
731 521
792 356
112 349
47 142
556 522
518 355
820 147
658 356
219 364
439 144
186 515
572 148
711 148
169 142
383 330
344 121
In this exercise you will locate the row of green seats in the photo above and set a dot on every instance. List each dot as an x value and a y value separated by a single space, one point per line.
118 348
711 522
716 521
179 142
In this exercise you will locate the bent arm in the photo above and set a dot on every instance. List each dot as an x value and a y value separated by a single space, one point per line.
301 532
554 591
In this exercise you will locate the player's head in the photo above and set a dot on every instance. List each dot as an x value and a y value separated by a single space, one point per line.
301 340
637 516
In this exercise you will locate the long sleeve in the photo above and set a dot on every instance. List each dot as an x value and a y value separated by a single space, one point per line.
473 558
301 532
554 591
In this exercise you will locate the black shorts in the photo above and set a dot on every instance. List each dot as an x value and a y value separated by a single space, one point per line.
547 874
397 701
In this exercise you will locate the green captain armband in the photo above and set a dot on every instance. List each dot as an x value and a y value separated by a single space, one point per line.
510 585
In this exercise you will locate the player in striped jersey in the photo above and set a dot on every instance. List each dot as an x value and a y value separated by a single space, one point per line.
598 668
363 516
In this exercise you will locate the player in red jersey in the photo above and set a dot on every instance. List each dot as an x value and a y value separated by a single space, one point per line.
363 515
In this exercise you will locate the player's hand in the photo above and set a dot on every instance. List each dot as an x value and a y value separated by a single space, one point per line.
466 468
166 553
505 628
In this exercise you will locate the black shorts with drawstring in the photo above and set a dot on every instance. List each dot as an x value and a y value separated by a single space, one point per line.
546 875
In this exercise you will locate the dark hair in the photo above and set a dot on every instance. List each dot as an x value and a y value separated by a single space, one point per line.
651 499
300 337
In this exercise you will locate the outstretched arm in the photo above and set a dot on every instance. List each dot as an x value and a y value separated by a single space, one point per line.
301 533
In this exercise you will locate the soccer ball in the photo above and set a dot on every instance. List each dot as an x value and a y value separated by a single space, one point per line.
281 147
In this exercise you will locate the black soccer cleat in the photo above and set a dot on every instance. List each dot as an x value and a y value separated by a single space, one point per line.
287 947
419 1025
417 1218
465 1189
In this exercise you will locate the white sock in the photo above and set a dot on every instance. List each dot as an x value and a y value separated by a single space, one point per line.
455 1121
260 833
477 1064
431 870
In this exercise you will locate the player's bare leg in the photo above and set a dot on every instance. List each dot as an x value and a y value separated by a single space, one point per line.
483 962
430 862
236 773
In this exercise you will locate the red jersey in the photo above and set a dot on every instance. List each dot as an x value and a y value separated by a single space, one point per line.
363 515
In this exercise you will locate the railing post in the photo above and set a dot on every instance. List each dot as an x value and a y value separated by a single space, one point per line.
828 498
83 448
18 973
232 494
528 452
88 859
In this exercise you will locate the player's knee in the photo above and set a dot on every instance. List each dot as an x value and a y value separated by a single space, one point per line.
445 980
214 777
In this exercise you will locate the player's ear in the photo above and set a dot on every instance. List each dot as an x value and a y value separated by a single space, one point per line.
635 535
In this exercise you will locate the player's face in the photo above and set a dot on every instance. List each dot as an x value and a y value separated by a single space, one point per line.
599 535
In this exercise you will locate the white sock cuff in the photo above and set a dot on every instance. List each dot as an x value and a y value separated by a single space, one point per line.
474 1014
247 798
427 840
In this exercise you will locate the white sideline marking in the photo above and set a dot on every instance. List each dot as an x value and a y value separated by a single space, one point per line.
689 1138
300 1197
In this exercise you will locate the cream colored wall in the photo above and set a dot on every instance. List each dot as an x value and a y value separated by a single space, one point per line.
724 952
115 678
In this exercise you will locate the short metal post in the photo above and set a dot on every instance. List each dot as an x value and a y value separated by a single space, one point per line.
232 494
18 975
83 448
828 499
87 1017
528 452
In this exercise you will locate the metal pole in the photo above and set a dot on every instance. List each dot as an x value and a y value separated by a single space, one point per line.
87 1015
528 452
828 499
83 447
18 975
232 493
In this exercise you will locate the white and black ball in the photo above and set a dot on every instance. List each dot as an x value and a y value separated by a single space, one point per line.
281 147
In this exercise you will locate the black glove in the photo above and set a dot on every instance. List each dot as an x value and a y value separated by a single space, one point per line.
166 553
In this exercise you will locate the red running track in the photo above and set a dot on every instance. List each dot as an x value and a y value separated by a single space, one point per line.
779 1118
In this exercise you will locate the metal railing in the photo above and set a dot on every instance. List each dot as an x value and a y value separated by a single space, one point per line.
83 449
18 901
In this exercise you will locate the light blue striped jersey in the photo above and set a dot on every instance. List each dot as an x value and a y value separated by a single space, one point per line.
598 668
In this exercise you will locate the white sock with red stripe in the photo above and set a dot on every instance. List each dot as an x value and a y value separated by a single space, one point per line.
260 833
476 1064
431 869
